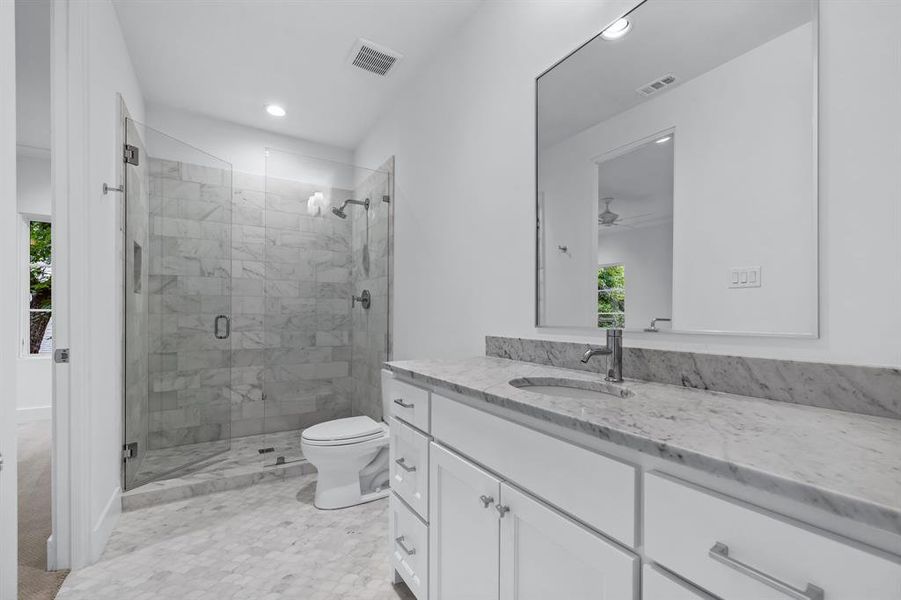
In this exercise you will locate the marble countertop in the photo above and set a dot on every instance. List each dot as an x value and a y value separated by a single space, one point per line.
844 463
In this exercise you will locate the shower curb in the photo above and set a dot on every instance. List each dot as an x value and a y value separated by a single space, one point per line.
173 490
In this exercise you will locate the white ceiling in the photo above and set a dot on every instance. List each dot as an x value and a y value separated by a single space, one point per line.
686 39
33 74
228 59
641 185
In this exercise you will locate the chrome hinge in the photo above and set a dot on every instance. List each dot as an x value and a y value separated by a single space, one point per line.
129 451
61 355
130 154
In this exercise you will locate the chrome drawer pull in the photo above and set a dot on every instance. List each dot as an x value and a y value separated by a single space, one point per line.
720 553
502 510
400 542
402 463
400 402
486 500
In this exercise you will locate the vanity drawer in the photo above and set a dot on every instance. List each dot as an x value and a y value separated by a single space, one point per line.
409 547
410 466
657 584
408 402
595 489
739 552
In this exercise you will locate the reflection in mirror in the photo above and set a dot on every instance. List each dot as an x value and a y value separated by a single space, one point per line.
677 173
635 233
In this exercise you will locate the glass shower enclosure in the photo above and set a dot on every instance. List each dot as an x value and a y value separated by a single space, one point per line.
177 297
256 304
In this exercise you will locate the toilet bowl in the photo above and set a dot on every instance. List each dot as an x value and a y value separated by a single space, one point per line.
351 456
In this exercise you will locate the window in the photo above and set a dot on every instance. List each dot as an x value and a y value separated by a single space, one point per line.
38 326
612 296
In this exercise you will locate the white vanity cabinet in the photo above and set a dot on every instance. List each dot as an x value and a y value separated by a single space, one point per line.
465 529
409 466
489 541
486 508
545 555
742 553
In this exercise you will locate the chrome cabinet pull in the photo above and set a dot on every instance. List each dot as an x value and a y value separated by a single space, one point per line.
502 510
402 463
217 331
720 553
400 402
486 500
400 542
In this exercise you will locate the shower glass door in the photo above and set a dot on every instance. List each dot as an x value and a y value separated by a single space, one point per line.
178 306
326 232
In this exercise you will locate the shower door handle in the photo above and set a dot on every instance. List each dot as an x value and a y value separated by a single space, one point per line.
217 327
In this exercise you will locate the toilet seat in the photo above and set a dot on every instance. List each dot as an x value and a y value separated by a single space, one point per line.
342 432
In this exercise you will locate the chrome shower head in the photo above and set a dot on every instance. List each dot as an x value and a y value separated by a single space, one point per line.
339 212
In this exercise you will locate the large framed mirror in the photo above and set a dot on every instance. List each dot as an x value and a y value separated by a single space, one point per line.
677 173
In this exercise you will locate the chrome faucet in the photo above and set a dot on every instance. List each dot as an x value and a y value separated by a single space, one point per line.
653 327
614 353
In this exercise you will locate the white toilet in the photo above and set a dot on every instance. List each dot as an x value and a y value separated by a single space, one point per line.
351 456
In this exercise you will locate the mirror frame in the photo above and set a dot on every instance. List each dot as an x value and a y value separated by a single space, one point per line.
815 208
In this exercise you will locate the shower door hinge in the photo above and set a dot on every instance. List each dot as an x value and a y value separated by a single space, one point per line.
61 355
129 451
130 154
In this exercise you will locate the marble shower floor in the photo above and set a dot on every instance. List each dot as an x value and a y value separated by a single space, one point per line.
266 542
240 466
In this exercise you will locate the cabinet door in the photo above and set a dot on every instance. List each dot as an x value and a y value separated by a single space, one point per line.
463 530
546 555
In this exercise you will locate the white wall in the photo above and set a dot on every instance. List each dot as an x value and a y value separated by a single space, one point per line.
8 300
96 264
734 189
647 255
33 185
463 136
34 393
240 145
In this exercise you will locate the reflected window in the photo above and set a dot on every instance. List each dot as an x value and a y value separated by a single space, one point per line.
612 296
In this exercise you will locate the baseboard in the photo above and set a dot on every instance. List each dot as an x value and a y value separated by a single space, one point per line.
34 413
104 527
51 554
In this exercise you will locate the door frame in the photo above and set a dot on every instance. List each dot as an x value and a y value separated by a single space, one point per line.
9 301
69 545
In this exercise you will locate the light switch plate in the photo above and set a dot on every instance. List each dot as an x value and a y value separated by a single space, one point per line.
744 277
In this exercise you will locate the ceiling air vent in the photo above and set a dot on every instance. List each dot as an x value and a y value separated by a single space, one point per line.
373 57
657 85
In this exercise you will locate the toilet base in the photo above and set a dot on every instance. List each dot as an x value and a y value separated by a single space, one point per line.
333 494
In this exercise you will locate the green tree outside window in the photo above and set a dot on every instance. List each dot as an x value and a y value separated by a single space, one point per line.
40 283
612 297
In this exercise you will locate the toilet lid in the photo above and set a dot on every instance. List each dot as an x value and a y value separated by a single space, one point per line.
346 430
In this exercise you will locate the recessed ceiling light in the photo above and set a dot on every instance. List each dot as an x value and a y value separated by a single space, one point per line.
275 110
617 30
664 139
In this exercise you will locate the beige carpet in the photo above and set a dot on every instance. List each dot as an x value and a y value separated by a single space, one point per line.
35 582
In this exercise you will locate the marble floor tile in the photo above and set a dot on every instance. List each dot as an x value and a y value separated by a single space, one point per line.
266 542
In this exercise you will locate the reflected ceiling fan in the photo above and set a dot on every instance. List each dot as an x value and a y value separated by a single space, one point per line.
608 218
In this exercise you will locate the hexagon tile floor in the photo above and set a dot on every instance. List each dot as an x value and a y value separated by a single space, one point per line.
265 542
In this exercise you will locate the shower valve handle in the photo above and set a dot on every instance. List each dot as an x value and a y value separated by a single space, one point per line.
365 299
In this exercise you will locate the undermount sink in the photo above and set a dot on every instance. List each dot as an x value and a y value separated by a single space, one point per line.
570 388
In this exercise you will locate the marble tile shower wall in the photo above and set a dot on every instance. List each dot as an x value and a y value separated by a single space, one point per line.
249 250
370 271
306 347
190 247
